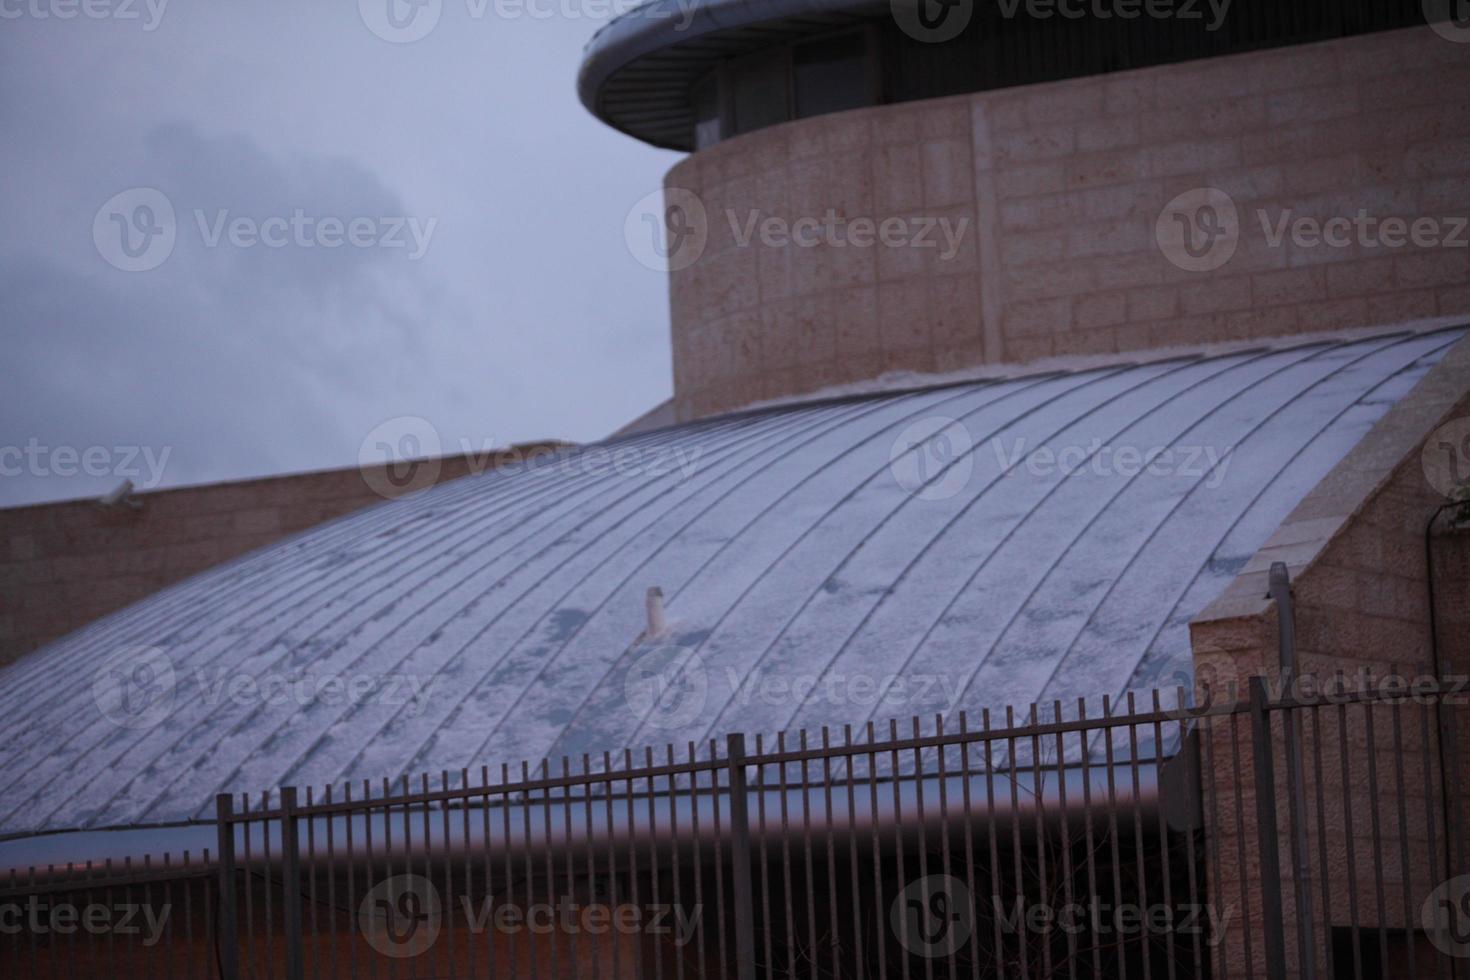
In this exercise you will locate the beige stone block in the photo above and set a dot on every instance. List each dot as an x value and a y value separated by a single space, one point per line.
780 343
1249 185
1084 342
1048 316
1133 336
1438 159
903 261
1194 157
954 315
1100 310
1445 197
1402 306
945 119
1032 145
957 357
1334 315
847 132
1102 133
1316 104
1125 271
775 270
1110 238
895 124
1360 277
1005 113
1029 348
1036 213
1125 202
1064 102
1110 167
1192 331
1441 267
903 315
840 184
1454 302
898 183
843 265
855 312
948 177
1153 303
1214 294
1128 93
1034 282
816 335
771 149
1042 178
1289 286
1028 248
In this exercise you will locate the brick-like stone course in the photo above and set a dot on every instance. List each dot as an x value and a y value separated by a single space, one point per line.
66 564
1060 186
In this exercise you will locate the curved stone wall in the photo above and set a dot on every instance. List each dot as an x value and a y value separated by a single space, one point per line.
1027 223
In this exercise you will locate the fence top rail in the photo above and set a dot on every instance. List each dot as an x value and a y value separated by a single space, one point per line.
1029 729
73 878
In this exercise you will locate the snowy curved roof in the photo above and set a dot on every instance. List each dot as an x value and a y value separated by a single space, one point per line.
806 559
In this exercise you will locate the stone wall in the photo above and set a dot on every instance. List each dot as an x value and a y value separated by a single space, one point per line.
66 564
1058 189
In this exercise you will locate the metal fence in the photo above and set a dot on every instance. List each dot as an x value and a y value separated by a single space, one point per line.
1316 831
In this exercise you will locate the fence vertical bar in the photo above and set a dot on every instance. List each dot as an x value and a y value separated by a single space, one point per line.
1280 593
291 883
740 859
229 955
1270 859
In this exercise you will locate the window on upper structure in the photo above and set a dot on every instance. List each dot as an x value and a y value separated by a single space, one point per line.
761 89
707 130
832 74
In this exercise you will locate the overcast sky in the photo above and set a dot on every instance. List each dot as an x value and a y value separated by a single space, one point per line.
485 287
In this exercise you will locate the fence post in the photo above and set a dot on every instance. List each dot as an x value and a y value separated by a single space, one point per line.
740 859
291 883
1280 593
227 939
1270 858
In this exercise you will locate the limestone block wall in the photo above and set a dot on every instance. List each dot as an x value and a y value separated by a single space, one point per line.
1058 190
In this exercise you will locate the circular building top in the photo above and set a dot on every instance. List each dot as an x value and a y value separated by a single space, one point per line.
684 74
640 70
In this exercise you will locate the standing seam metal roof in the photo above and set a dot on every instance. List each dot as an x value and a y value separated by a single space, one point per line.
791 547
